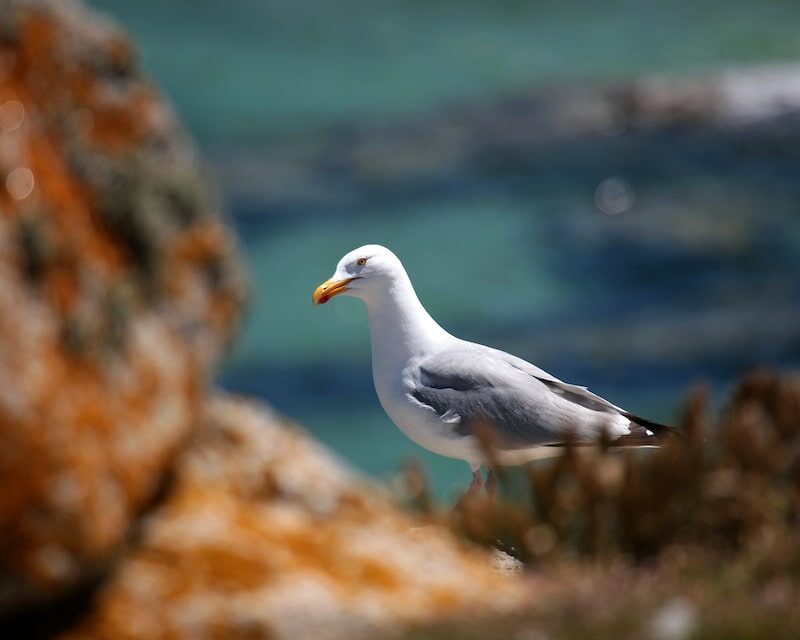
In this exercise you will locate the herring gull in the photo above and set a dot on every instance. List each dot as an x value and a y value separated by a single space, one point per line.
441 390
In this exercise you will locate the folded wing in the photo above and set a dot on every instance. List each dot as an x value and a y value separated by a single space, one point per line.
473 386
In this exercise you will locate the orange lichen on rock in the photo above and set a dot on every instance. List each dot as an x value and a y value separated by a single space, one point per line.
102 370
264 535
113 120
118 290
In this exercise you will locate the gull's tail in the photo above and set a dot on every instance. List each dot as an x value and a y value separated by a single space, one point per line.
644 433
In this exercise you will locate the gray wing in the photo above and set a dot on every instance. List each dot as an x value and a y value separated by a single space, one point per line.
471 385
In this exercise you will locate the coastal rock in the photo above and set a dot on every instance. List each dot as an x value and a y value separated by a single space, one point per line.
265 535
118 289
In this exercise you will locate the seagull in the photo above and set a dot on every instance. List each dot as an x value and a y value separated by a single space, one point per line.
445 393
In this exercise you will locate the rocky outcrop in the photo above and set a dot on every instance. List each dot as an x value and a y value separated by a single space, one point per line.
264 535
132 506
118 288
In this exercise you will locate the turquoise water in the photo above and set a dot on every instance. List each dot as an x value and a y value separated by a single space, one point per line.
245 71
454 281
695 280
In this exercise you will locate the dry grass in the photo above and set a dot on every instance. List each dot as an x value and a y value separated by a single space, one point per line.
714 485
697 539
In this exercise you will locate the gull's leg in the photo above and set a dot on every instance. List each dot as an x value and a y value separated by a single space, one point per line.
491 483
477 482
474 488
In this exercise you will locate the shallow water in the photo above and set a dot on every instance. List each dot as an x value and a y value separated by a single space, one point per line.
681 267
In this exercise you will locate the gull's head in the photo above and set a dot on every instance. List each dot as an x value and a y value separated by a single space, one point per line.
361 273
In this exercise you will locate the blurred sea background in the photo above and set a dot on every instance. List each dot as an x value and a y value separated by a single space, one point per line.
636 263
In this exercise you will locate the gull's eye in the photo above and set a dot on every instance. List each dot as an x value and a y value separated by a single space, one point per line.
361 262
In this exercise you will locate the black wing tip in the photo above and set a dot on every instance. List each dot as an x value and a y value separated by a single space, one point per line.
644 433
659 430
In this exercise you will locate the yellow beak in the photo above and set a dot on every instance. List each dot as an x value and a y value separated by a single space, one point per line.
328 289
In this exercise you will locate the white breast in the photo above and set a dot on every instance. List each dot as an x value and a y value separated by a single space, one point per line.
402 332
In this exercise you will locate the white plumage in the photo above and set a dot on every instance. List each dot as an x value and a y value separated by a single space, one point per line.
439 389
